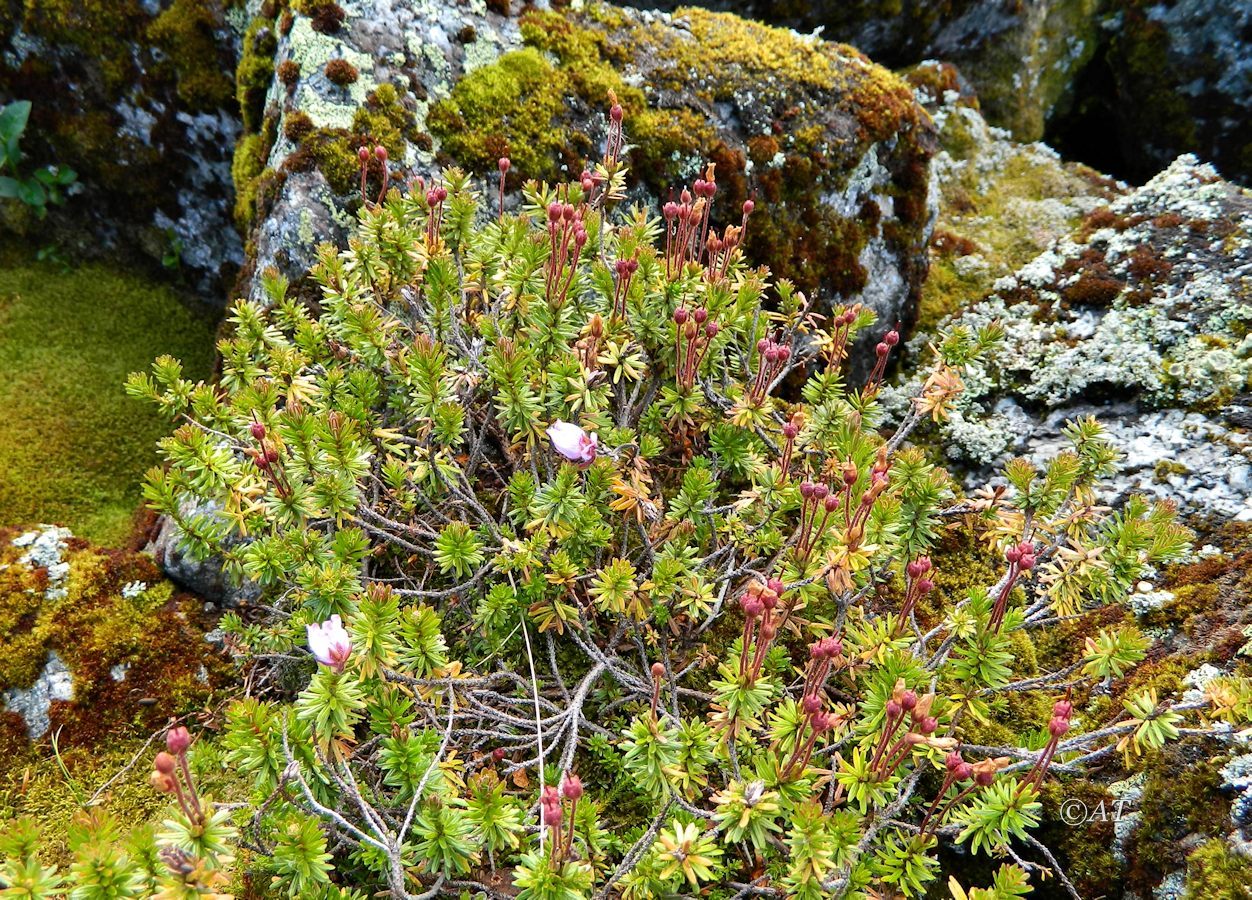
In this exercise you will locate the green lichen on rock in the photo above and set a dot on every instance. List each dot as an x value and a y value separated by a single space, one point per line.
72 446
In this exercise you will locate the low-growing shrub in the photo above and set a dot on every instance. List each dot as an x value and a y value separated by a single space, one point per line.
587 573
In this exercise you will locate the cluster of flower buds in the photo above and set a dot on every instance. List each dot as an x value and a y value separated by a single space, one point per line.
687 224
436 194
503 164
552 814
625 270
265 456
693 333
825 655
566 238
882 351
956 770
761 624
615 141
720 250
1058 727
840 332
172 775
1021 559
771 360
790 431
364 155
817 500
879 480
329 642
893 746
920 584
588 345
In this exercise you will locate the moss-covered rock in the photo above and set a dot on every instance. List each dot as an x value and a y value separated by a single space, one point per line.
834 149
98 645
137 97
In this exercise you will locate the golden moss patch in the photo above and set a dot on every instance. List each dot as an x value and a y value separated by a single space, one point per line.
73 447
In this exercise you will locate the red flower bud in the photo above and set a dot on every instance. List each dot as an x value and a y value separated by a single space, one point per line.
953 760
680 316
572 788
806 489
380 153
928 725
908 700
891 338
748 206
811 704
363 155
497 755
658 670
882 349
615 112
711 329
790 431
1058 726
820 491
1063 708
963 771
177 740
776 585
164 763
893 709
258 430
700 315
503 165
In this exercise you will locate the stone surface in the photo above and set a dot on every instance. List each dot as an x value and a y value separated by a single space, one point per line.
1139 317
138 98
206 578
834 148
34 703
1022 56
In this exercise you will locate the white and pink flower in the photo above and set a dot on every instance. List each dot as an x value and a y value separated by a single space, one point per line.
330 643
573 443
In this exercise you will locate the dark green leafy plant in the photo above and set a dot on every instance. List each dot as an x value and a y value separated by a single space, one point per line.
43 187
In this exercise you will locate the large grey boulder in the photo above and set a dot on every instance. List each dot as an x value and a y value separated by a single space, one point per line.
834 149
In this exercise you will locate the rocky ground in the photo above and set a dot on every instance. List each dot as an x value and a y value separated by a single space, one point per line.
1132 304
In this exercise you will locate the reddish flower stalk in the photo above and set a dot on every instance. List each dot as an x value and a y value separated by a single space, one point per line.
616 140
434 221
704 189
694 333
1021 558
1058 726
625 269
957 770
890 750
759 603
364 155
771 359
503 165
823 654
818 723
789 432
658 672
682 226
172 775
841 329
920 584
882 351
571 790
817 500
565 225
551 814
879 480
266 457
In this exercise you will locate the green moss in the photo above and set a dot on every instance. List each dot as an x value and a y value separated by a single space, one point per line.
251 153
73 447
1181 797
505 109
1214 870
185 32
103 28
255 72
384 120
